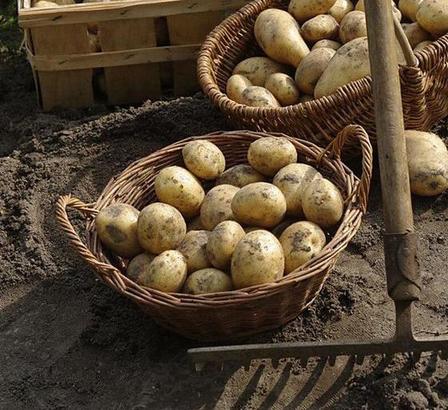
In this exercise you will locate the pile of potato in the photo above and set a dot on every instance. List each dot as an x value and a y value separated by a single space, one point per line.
257 223
321 45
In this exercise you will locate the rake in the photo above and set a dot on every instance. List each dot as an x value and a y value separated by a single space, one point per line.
400 241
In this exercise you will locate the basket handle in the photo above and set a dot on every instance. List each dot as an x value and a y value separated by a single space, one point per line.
349 134
409 56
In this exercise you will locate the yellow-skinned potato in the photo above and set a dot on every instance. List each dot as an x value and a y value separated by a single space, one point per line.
235 86
421 46
301 242
167 272
340 9
258 258
255 96
428 163
258 69
222 242
353 25
138 265
415 34
116 226
217 206
208 280
432 15
327 44
259 204
239 176
292 180
319 28
283 88
360 6
204 159
193 247
350 63
303 10
277 33
409 8
269 154
178 187
322 203
160 227
311 68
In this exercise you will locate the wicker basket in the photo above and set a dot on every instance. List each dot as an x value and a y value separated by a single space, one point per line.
424 86
236 313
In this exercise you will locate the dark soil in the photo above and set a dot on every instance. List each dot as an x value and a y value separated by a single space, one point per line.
68 341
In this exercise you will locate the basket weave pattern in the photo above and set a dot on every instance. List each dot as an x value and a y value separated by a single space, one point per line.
424 87
236 313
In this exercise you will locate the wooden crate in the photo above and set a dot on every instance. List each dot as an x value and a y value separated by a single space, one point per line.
147 47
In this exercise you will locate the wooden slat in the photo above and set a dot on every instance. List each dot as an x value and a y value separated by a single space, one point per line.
96 12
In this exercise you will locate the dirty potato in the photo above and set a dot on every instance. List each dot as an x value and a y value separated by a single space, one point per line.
353 25
340 9
283 88
415 34
217 206
432 15
138 265
318 28
327 44
235 86
208 280
303 10
193 247
409 8
258 69
204 159
239 176
255 96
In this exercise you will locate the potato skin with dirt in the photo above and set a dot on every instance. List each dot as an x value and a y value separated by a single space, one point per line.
301 242
322 203
235 86
292 180
204 159
208 280
340 9
269 154
217 206
138 265
239 176
283 88
415 34
320 27
427 162
432 15
193 247
116 226
258 69
258 259
327 44
409 8
303 10
160 227
353 25
259 204
178 187
167 272
277 33
255 96
222 242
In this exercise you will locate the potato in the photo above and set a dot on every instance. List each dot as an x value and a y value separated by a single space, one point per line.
208 281
421 46
193 247
322 203
217 206
277 33
167 272
311 68
303 10
327 44
160 227
283 88
44 4
353 25
259 204
292 180
204 159
138 265
432 15
397 12
255 96
178 187
258 69
340 9
94 43
320 27
428 163
222 242
195 225
409 8
116 226
269 154
415 34
240 175
258 259
350 63
301 242
235 86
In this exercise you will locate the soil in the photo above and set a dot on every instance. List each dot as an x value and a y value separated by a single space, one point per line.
68 341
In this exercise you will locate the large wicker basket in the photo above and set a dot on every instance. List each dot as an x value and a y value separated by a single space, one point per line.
236 313
424 86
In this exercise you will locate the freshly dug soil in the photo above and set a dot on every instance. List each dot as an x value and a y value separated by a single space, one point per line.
68 341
